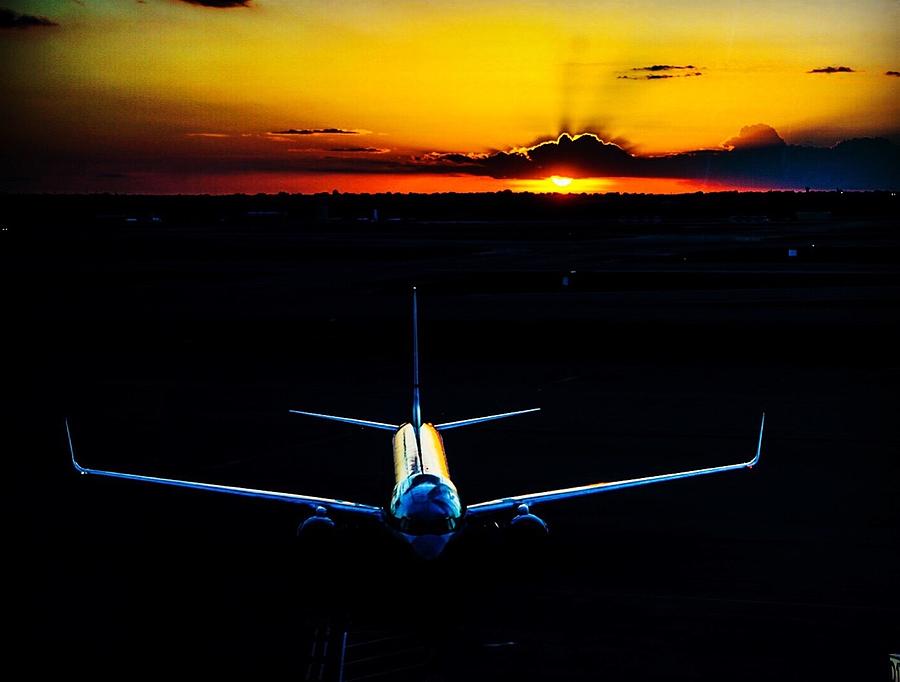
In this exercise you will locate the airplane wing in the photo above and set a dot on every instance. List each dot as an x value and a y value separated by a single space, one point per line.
508 503
307 500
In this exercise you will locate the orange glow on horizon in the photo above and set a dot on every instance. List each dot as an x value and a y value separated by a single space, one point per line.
378 183
624 185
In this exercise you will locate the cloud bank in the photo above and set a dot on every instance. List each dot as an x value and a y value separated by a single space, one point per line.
757 156
757 136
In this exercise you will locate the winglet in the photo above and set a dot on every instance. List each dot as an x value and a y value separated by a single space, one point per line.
762 426
80 469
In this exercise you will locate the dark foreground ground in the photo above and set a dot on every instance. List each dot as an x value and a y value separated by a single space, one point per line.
176 346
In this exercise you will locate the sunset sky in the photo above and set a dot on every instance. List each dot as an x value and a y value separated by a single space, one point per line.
402 95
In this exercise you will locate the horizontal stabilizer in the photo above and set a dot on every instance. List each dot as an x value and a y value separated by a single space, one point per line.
349 420
478 420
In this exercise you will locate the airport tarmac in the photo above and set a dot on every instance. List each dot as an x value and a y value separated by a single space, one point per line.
649 348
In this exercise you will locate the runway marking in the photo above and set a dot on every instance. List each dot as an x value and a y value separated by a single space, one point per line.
384 657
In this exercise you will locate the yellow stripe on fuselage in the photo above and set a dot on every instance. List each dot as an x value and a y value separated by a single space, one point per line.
410 460
434 459
406 453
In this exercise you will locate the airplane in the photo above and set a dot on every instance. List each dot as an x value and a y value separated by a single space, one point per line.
425 509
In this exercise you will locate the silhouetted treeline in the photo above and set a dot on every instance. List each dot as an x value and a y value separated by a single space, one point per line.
293 211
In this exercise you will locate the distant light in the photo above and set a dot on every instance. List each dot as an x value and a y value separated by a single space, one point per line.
560 180
792 253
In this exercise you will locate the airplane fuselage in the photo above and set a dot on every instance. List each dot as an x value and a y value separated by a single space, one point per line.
424 510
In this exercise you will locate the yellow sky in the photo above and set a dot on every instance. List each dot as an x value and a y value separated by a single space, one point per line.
120 77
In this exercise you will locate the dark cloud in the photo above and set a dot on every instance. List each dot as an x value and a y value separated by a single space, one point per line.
892 73
582 155
659 76
755 137
10 19
359 150
219 4
664 67
315 131
658 72
757 156
833 69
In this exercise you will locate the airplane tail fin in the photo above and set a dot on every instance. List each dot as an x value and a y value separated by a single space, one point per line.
416 401
416 397
416 416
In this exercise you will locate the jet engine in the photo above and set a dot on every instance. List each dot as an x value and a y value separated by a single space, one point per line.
319 526
525 523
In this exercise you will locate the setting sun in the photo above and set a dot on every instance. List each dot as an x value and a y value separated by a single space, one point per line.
560 181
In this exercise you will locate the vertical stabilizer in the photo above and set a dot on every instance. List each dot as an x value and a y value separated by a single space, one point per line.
416 402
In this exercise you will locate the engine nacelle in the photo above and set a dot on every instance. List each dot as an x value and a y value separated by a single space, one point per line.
526 523
319 525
